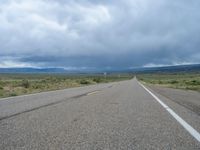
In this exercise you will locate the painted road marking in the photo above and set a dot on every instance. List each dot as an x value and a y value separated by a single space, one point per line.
188 127
91 93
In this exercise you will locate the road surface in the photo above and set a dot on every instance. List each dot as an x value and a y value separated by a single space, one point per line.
120 115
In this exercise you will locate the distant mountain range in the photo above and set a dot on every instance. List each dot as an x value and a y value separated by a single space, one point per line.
179 68
32 70
170 69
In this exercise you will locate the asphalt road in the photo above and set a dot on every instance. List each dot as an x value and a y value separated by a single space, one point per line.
121 115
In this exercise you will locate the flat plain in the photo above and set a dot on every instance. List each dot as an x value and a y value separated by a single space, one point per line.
21 84
182 80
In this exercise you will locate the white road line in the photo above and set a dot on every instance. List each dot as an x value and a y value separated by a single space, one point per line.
188 127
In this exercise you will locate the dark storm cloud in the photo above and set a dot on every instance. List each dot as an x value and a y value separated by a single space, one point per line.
91 33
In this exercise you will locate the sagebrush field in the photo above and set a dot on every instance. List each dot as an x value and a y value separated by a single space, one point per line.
188 81
19 84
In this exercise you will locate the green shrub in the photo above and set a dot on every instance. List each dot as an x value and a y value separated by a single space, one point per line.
1 93
25 84
84 82
97 80
13 94
173 82
1 84
44 81
195 82
38 86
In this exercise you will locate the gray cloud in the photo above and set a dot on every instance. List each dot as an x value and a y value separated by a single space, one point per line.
86 33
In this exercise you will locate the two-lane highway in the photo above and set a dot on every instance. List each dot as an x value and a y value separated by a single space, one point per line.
121 115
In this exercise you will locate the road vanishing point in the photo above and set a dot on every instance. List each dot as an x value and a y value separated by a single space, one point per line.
112 116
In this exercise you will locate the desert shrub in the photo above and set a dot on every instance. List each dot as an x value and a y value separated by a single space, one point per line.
43 81
25 84
195 82
38 86
13 94
192 88
53 79
173 82
1 92
1 83
160 82
35 86
97 80
24 90
84 82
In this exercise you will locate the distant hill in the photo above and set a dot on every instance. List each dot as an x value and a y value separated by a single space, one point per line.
32 70
171 69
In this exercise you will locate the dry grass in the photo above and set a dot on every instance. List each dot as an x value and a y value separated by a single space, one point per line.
19 84
189 81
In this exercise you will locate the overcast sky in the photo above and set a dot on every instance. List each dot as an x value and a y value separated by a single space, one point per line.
79 34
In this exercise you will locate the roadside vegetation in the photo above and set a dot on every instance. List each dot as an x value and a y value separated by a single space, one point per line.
188 81
19 84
